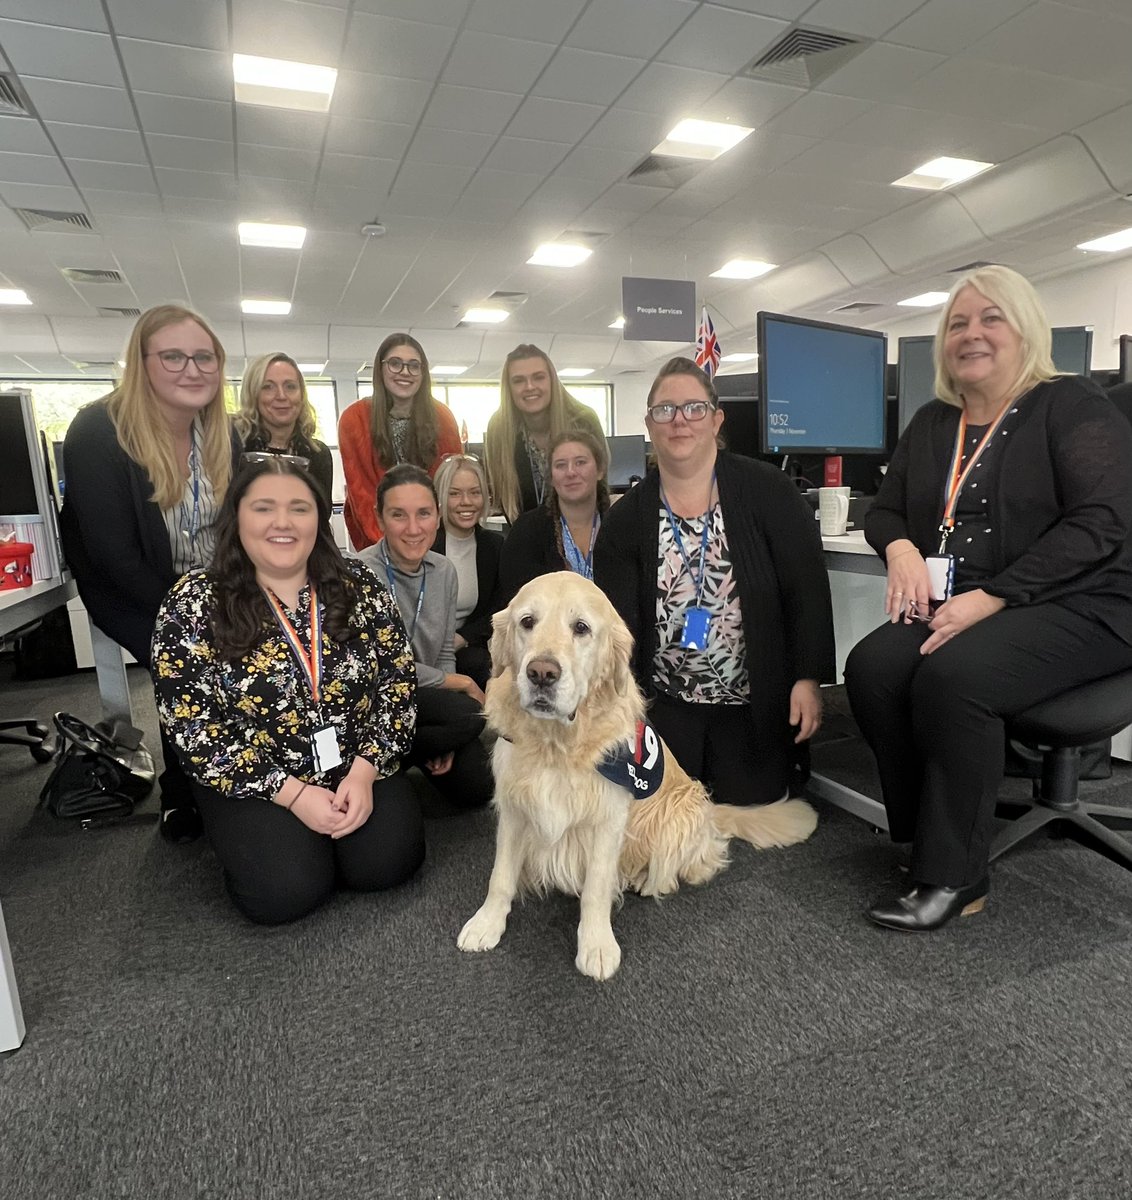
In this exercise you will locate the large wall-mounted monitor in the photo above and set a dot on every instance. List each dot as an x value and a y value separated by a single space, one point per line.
1073 349
916 376
821 387
1126 358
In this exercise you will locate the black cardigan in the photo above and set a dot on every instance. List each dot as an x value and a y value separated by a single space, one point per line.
476 630
529 550
113 535
318 456
777 560
1061 504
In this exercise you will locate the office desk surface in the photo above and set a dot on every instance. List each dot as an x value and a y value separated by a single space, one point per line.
21 606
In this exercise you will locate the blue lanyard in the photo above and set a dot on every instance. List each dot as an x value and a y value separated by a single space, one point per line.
697 580
581 564
393 590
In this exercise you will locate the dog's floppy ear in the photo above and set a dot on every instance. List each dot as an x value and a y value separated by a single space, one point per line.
621 655
502 648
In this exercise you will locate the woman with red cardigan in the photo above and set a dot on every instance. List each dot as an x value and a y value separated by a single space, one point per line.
400 422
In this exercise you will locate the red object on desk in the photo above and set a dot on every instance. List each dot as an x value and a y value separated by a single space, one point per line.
833 470
15 565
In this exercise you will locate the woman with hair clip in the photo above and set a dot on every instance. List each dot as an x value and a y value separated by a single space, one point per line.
534 408
283 675
446 742
560 534
147 468
276 416
399 423
1004 520
461 492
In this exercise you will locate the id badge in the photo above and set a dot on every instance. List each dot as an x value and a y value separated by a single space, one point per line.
697 621
324 747
941 574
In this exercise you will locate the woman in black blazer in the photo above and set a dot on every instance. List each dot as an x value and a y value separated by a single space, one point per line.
461 488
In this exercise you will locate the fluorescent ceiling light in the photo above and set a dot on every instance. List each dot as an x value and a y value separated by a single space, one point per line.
442 370
277 83
924 300
266 308
738 357
618 324
485 316
743 268
312 368
701 139
13 296
1109 243
942 173
559 254
285 237
575 372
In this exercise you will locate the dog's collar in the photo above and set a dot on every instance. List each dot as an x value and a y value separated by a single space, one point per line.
637 763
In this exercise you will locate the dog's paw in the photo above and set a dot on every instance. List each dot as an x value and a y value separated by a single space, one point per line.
598 957
483 931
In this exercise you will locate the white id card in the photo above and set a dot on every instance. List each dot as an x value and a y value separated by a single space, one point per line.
324 746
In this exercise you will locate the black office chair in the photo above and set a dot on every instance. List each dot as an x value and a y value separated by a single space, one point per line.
1061 726
36 736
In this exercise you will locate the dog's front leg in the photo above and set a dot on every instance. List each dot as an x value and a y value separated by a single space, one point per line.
485 928
599 955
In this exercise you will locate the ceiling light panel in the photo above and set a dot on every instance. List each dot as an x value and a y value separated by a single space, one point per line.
266 308
559 254
924 300
575 372
282 237
278 83
13 296
485 316
743 268
446 370
701 139
1110 242
312 368
941 173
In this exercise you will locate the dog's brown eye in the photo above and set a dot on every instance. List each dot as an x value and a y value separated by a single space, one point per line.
581 628
527 622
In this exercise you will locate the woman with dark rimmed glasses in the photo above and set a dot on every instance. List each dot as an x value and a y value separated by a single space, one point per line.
715 564
399 423
147 468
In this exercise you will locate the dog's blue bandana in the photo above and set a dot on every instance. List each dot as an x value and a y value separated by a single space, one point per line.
637 763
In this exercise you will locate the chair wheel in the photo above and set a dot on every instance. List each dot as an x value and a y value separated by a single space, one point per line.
38 730
44 752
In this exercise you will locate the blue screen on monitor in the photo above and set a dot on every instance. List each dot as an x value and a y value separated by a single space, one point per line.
916 376
1072 348
821 386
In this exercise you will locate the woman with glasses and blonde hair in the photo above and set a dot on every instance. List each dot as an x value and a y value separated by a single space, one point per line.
399 423
715 564
277 417
462 496
534 408
147 467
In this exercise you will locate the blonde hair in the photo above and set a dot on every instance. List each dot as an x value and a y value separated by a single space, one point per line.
446 473
248 420
145 435
1014 295
506 424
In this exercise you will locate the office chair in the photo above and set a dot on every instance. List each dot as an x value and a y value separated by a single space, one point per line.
1061 726
36 736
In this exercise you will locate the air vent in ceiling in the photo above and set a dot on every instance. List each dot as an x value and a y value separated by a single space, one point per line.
119 312
43 220
858 306
89 275
665 170
804 56
971 266
12 100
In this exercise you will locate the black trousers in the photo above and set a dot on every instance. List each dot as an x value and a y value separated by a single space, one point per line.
277 870
716 744
453 721
476 662
936 722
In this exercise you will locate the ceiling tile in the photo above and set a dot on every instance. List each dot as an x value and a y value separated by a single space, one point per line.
750 102
582 75
32 168
380 97
256 126
498 184
448 146
308 33
177 70
106 145
865 18
635 132
816 114
521 18
553 120
56 53
951 27
594 162
275 162
670 92
285 202
26 137
184 117
74 14
470 109
720 39
379 138
128 177
203 23
191 154
403 49
358 171
881 72
339 207
618 27
509 64
196 184
113 203
526 154
42 195
56 100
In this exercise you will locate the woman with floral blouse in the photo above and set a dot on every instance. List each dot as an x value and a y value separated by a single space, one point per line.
284 677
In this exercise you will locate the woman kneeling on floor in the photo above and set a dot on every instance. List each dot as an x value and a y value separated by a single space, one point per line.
284 678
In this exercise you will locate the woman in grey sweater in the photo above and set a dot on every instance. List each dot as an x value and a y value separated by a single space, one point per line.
446 745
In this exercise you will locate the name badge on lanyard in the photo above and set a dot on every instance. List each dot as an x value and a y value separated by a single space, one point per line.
697 618
958 475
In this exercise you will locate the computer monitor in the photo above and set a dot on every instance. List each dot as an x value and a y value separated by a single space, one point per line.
475 449
1073 348
916 376
821 387
626 460
1126 358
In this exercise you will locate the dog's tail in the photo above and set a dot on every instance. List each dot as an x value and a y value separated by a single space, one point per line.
783 823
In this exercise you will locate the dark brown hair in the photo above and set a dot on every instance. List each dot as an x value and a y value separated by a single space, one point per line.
684 366
420 448
599 448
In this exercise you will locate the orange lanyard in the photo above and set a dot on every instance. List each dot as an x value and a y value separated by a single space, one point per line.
311 663
958 474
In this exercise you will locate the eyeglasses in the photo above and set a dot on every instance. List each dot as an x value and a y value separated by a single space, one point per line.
398 366
693 410
175 361
259 456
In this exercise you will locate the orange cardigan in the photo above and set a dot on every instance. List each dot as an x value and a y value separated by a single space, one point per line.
364 473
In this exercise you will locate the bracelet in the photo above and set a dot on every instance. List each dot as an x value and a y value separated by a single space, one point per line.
295 797
910 550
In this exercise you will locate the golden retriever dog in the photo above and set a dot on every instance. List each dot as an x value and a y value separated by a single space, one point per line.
563 701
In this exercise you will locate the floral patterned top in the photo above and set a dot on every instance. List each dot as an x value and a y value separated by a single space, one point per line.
243 727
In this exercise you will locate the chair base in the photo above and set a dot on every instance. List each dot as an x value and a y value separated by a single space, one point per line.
35 736
1081 823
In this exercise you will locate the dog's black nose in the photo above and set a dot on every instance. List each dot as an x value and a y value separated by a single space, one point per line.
542 672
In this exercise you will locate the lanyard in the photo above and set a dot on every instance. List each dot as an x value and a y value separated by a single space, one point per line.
389 574
535 459
697 580
311 663
582 565
957 475
193 530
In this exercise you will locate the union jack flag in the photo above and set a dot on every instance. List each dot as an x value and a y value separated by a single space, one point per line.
708 348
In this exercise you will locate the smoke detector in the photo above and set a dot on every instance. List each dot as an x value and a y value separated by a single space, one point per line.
374 229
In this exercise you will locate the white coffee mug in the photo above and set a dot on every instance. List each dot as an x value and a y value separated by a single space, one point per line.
833 510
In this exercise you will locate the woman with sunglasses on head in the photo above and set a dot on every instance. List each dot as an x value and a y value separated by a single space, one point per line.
399 423
276 417
147 467
461 492
534 408
560 534
715 564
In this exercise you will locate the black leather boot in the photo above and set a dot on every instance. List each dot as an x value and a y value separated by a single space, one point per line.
926 906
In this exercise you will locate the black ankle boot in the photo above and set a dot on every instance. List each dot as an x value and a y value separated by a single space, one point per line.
181 825
926 906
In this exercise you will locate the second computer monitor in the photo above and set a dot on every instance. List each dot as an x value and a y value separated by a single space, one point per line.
916 376
626 460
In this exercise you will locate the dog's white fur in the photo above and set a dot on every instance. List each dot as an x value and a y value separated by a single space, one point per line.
561 696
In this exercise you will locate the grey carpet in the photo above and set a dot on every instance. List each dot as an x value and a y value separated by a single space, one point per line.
761 1039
